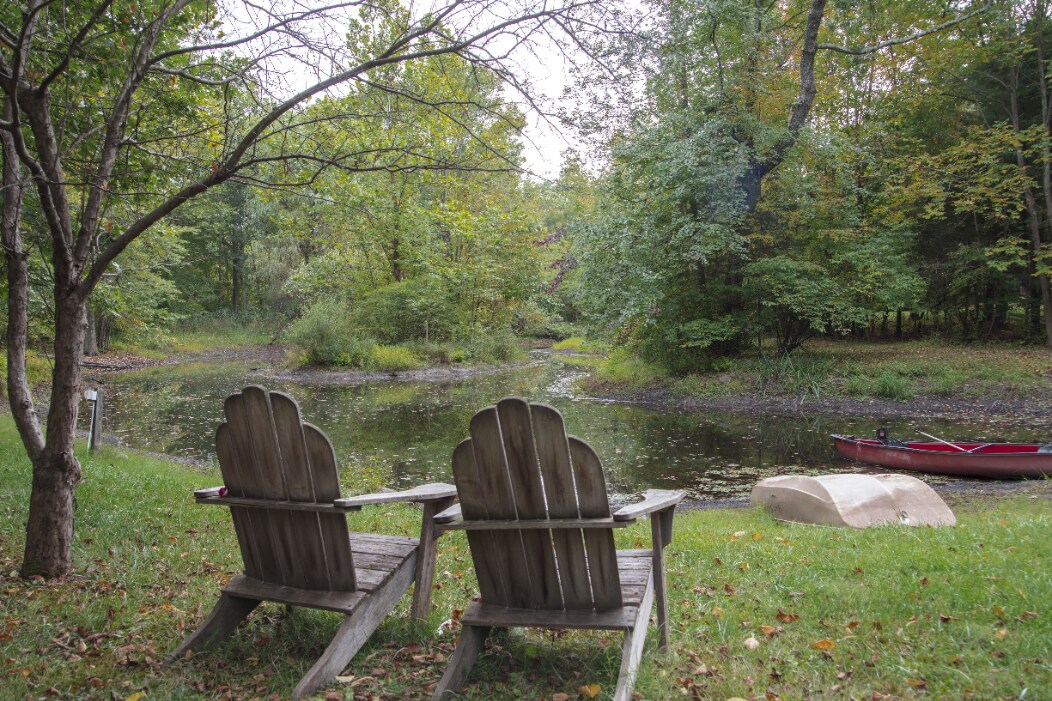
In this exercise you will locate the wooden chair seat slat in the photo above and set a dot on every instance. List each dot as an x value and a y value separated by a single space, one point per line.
524 475
553 454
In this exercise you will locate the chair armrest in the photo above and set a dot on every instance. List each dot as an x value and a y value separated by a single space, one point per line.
278 504
653 500
542 524
451 514
209 492
422 494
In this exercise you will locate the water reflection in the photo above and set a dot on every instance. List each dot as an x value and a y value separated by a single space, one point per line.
402 433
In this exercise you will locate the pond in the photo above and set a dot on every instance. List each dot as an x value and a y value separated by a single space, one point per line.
398 434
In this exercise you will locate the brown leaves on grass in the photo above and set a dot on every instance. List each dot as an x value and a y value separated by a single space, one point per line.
824 644
786 617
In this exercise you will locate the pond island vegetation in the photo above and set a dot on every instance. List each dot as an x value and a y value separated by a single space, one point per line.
798 198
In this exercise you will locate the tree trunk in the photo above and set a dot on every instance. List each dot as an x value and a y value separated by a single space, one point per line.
49 531
91 339
56 472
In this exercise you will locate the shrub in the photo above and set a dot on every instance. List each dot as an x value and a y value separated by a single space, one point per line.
394 358
493 345
404 311
356 352
323 332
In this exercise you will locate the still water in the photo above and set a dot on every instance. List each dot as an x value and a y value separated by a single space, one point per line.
399 433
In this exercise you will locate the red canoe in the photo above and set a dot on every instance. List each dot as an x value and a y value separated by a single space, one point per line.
993 460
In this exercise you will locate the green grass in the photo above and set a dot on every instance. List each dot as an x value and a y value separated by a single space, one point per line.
392 358
198 338
625 369
951 613
579 344
825 368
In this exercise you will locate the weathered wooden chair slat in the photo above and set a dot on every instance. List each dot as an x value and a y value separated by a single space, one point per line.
283 490
518 474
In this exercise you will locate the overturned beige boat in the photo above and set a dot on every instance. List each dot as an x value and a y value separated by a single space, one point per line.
858 501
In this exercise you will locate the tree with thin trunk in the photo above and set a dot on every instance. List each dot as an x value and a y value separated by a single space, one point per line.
115 115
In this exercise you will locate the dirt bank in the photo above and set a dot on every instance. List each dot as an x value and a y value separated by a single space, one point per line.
1034 410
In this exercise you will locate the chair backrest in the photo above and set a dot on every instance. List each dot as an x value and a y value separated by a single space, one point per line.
266 452
520 464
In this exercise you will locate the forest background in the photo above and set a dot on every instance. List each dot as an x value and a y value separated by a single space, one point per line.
915 202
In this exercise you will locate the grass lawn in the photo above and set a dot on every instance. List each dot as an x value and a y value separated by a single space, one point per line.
760 609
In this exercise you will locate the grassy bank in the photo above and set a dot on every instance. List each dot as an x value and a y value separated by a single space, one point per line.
896 371
760 609
199 336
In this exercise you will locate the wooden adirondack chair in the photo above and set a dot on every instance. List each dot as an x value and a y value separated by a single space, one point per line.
533 503
283 491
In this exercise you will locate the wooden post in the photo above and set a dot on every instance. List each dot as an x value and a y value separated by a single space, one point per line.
95 427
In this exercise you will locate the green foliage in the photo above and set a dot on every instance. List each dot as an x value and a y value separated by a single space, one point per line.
578 344
393 358
625 368
323 333
419 308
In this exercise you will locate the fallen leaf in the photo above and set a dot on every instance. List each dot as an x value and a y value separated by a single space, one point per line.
771 631
752 643
1000 611
560 696
824 644
590 690
1000 635
717 612
135 697
757 536
786 617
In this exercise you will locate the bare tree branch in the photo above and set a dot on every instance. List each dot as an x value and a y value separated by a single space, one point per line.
908 38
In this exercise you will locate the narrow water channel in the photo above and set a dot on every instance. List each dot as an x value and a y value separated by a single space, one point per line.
398 433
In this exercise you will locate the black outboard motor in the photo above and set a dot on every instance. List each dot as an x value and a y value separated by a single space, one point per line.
885 438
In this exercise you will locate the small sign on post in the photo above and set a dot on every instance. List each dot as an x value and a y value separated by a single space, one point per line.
95 427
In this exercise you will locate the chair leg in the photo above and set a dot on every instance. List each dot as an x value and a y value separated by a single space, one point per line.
356 628
472 638
425 560
227 613
632 648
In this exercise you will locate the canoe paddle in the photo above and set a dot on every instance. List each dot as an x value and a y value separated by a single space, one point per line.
953 445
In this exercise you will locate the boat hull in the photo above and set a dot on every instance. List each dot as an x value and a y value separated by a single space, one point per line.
1003 461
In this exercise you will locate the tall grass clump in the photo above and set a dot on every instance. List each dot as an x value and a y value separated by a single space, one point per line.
623 367
796 376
